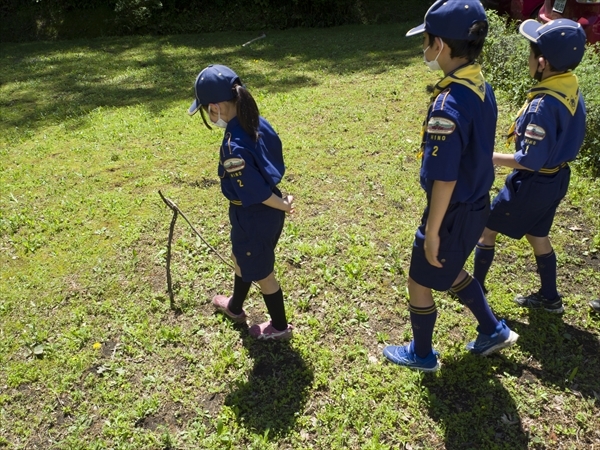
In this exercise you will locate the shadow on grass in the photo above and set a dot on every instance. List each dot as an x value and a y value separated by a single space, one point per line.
472 405
59 81
276 391
565 357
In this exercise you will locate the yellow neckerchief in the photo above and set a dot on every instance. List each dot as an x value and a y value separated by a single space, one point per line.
564 87
468 75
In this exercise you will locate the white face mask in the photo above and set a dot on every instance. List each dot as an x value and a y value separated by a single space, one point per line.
433 65
220 122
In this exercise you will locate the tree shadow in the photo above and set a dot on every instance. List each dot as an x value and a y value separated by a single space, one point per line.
562 356
68 80
476 411
277 388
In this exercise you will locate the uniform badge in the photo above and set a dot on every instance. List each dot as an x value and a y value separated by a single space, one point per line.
440 125
535 132
234 164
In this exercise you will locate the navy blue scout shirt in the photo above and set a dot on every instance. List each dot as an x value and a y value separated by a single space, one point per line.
551 128
459 135
250 170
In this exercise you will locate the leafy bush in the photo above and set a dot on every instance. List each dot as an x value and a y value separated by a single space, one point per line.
504 60
134 14
22 20
587 72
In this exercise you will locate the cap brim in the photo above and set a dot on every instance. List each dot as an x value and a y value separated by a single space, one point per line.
194 108
416 30
529 29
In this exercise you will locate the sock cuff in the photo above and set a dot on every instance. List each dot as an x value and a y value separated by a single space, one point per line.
546 255
462 284
485 247
422 311
273 295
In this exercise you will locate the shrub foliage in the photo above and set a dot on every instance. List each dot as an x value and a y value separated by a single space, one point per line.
22 20
504 59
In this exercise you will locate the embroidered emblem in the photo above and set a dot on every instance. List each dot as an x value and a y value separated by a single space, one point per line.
234 164
440 125
535 132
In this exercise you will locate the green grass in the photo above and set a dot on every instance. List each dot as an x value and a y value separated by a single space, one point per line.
91 355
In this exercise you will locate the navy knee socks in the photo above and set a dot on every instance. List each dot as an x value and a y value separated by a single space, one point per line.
471 295
240 291
547 270
276 309
422 321
484 256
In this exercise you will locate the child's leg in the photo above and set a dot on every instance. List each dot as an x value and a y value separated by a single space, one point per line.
273 297
546 264
484 256
423 315
240 290
469 291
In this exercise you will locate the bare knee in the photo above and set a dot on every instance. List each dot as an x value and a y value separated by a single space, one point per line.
420 296
269 284
541 245
488 237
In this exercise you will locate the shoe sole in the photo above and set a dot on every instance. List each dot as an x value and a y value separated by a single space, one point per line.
226 313
555 310
525 304
550 310
512 338
280 337
422 369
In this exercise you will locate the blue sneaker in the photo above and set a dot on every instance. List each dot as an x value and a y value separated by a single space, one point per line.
406 356
486 344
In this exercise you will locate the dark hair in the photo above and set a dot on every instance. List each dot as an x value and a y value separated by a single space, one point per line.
469 49
246 111
537 52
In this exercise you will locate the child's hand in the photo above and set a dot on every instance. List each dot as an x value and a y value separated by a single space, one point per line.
289 202
432 247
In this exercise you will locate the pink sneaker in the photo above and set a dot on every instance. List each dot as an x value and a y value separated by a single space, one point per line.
266 331
221 304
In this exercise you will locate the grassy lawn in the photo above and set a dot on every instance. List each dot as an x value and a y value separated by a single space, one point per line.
93 357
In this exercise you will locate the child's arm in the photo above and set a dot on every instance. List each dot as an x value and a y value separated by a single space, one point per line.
441 193
284 204
507 160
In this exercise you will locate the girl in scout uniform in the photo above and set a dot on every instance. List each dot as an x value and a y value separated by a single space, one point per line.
456 174
250 167
547 134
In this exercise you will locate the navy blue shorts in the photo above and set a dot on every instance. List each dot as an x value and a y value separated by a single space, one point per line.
461 228
255 231
527 203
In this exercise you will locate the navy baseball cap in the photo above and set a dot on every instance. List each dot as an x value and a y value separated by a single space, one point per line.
561 41
214 84
452 19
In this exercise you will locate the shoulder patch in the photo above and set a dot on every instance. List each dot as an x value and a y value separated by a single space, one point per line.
234 164
535 132
440 125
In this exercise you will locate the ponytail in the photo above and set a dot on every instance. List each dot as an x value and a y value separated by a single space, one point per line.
247 111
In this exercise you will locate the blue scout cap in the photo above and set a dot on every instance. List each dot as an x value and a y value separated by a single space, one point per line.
214 84
561 41
452 19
